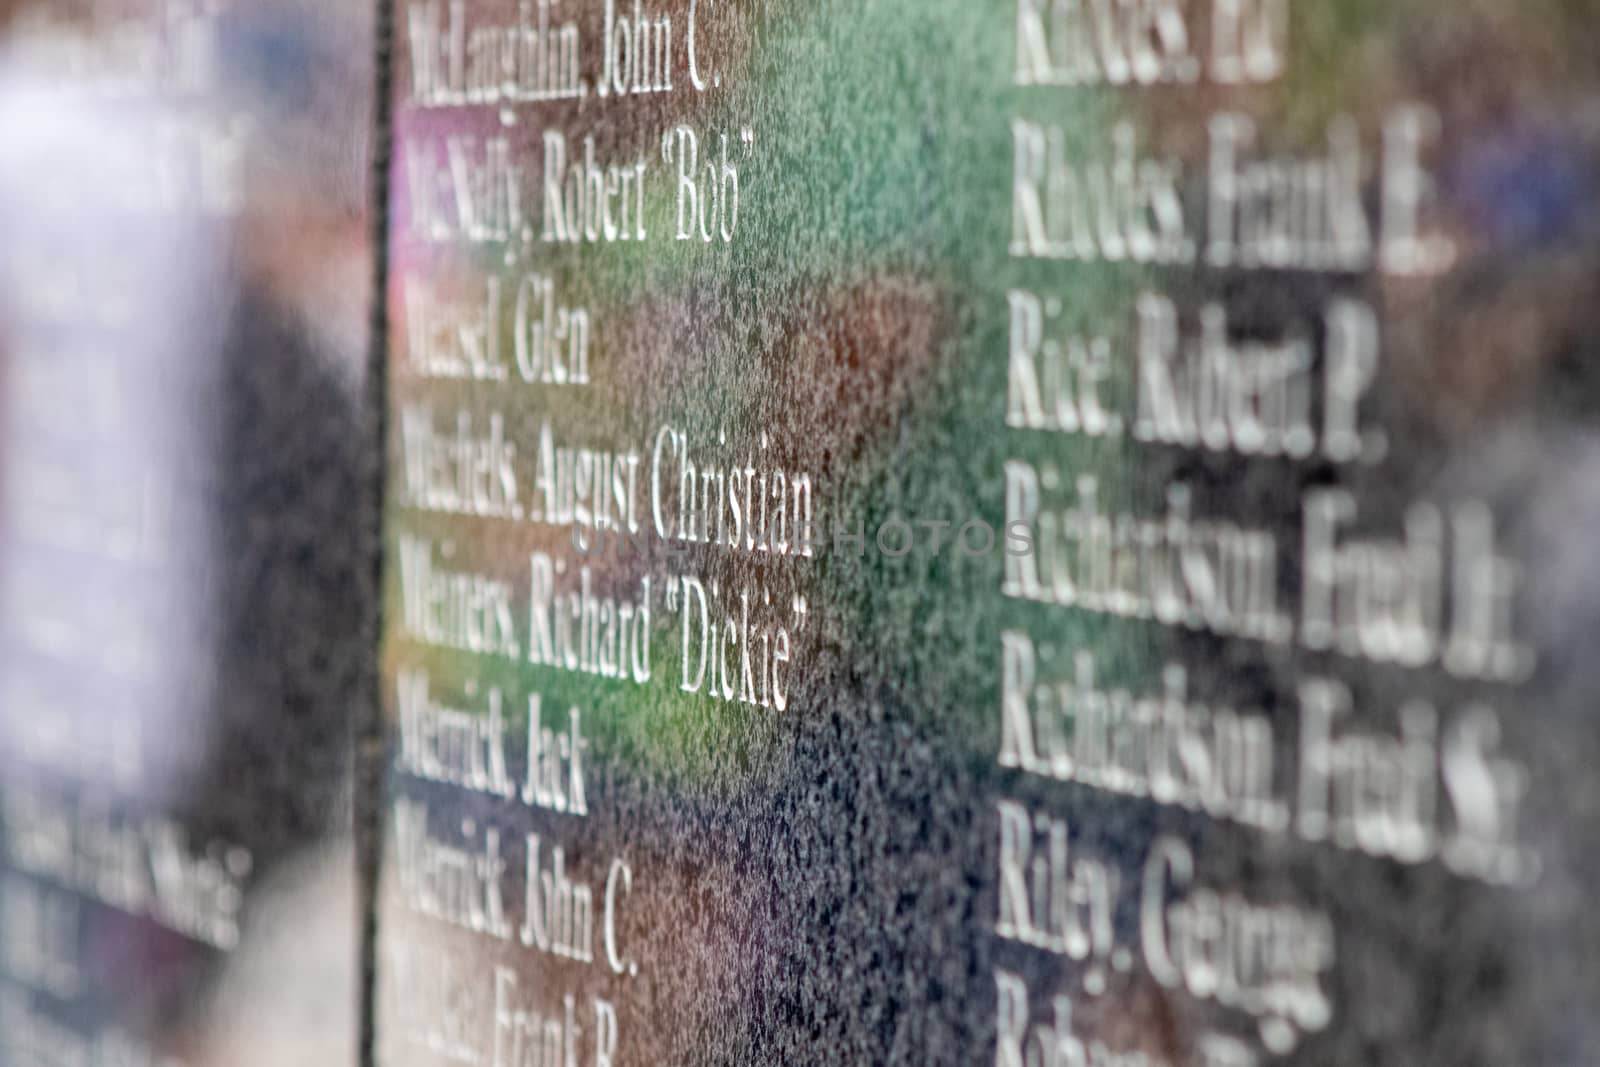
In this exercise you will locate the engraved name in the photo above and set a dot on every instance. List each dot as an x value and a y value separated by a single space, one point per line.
529 59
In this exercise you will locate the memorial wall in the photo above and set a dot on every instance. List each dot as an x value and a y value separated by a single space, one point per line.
1035 533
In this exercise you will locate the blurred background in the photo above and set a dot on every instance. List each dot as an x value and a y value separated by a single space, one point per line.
185 527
